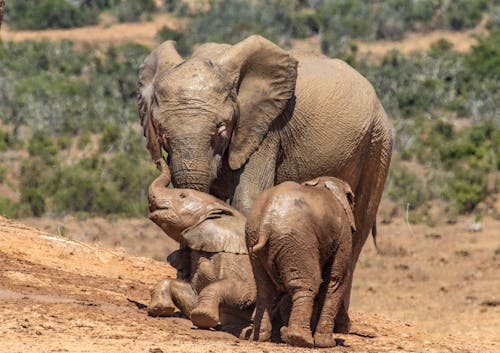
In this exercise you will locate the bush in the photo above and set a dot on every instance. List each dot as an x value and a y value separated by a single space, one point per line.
6 140
42 14
133 10
343 21
460 14
56 89
8 208
231 21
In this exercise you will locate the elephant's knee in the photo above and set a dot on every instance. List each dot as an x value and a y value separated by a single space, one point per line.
183 295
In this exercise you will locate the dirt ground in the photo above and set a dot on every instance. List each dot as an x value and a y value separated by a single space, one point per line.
427 290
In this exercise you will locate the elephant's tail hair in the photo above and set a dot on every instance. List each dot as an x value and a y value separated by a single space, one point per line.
374 234
261 241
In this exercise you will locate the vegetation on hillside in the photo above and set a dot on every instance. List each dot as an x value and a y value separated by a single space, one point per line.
43 14
83 151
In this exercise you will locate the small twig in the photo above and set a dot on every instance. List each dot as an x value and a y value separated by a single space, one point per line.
407 220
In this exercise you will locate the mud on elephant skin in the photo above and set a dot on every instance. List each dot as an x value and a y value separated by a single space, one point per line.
299 238
214 281
238 119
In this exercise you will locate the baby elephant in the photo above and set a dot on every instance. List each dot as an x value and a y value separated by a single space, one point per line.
214 280
299 238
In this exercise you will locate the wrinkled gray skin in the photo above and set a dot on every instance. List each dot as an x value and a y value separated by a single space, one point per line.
299 237
238 119
214 280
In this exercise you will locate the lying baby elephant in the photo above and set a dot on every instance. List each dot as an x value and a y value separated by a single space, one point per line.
214 282
299 238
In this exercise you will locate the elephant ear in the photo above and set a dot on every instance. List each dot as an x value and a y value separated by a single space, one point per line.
162 58
265 76
312 182
342 191
218 232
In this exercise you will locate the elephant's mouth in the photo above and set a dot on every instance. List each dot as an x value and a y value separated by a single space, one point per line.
158 213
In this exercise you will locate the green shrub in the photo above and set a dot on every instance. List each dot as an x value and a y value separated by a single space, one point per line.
8 208
406 188
460 14
41 145
42 14
63 142
233 20
60 90
34 200
133 10
110 137
6 140
466 188
484 60
3 173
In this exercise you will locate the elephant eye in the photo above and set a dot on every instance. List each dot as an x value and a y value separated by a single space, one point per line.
182 195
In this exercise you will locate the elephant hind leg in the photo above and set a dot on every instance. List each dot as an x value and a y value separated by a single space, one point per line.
335 285
234 294
302 278
368 195
266 294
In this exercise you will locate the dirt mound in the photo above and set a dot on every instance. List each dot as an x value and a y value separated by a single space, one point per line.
58 295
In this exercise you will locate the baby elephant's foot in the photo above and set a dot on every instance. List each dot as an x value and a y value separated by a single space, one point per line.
205 317
324 340
297 336
161 303
160 310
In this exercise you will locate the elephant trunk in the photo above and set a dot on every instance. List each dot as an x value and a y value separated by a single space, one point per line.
159 184
190 170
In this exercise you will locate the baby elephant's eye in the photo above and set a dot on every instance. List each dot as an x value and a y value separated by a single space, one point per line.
182 195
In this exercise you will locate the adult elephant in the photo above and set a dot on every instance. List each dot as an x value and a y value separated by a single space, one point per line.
237 119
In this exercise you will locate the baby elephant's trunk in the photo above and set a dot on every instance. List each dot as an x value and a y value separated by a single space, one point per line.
159 184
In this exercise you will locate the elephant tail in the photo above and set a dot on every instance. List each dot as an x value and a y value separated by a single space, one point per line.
374 233
263 238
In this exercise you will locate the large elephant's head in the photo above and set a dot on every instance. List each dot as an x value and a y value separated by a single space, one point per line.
219 102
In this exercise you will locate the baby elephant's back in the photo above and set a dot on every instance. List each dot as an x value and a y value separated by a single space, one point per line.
292 206
318 210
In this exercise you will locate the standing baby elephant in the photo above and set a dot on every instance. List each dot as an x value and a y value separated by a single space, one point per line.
299 237
215 282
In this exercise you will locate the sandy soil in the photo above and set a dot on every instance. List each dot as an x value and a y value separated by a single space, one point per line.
433 291
118 33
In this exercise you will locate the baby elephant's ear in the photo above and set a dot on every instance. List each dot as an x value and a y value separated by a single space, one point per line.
342 191
218 234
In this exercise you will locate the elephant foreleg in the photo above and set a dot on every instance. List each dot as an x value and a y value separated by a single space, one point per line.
256 175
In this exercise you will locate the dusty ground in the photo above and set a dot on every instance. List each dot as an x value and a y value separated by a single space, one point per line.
433 291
